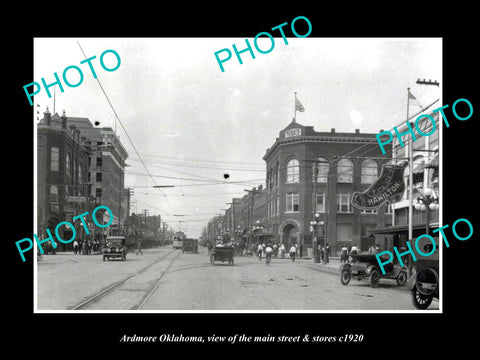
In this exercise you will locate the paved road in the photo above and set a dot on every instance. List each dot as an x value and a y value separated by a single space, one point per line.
190 282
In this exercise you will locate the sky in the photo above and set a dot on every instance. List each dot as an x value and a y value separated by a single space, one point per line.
186 123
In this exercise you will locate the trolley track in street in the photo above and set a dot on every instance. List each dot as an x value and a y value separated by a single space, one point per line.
89 302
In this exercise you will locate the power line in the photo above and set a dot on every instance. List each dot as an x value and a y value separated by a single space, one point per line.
120 121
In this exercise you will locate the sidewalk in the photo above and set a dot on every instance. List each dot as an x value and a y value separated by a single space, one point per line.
332 267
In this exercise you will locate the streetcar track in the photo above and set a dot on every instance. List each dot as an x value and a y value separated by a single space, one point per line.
115 285
154 288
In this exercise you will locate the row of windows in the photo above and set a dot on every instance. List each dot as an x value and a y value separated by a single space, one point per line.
55 163
369 172
54 193
292 204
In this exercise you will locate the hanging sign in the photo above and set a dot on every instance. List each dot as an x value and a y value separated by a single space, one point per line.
388 187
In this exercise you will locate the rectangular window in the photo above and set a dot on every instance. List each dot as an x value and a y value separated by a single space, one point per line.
98 193
278 205
388 209
343 203
99 161
99 177
54 158
293 200
320 203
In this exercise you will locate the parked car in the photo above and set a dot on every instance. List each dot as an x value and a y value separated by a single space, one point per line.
366 266
115 248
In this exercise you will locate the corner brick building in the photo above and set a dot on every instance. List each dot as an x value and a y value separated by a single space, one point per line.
347 163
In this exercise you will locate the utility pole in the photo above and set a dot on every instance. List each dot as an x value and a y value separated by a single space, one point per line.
314 202
429 82
145 211
252 193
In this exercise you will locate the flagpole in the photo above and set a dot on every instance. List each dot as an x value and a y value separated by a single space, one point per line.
295 107
410 188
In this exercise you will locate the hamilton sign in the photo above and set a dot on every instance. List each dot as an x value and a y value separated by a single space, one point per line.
388 187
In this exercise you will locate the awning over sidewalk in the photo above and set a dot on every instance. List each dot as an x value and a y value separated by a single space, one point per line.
400 228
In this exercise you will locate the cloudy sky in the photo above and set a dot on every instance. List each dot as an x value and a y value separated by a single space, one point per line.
191 123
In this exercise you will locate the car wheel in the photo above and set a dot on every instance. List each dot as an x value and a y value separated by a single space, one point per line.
345 276
374 278
419 300
402 278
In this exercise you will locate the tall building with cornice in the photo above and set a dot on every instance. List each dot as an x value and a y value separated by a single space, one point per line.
344 163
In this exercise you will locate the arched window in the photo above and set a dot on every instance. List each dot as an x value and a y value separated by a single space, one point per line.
322 166
54 158
369 171
293 171
345 171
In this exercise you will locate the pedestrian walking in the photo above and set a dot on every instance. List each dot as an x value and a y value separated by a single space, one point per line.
75 246
139 247
259 251
293 251
301 250
268 254
281 249
327 253
344 254
275 250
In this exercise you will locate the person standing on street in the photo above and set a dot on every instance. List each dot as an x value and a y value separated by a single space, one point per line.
75 246
139 247
301 250
268 254
327 253
293 251
259 251
344 254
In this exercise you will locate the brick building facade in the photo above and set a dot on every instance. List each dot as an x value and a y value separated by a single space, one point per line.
347 163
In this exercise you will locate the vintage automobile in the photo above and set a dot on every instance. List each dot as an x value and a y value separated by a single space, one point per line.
114 248
424 283
190 245
366 266
223 251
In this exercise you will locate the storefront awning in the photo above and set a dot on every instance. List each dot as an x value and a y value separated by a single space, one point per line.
400 229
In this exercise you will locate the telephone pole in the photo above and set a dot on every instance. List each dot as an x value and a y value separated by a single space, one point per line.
429 82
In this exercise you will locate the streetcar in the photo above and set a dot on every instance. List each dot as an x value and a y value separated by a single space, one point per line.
178 240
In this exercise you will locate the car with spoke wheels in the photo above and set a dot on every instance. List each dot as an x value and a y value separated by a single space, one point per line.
424 283
366 266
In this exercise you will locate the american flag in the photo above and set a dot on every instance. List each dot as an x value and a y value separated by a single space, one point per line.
299 106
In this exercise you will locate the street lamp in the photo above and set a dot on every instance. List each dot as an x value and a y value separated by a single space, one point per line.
427 203
314 228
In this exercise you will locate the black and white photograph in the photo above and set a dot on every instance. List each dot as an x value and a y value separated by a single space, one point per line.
225 181
167 182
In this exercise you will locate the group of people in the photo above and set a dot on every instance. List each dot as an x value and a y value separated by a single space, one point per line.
274 250
86 247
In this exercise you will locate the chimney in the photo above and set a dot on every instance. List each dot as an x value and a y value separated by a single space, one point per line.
357 131
47 116
332 130
64 120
